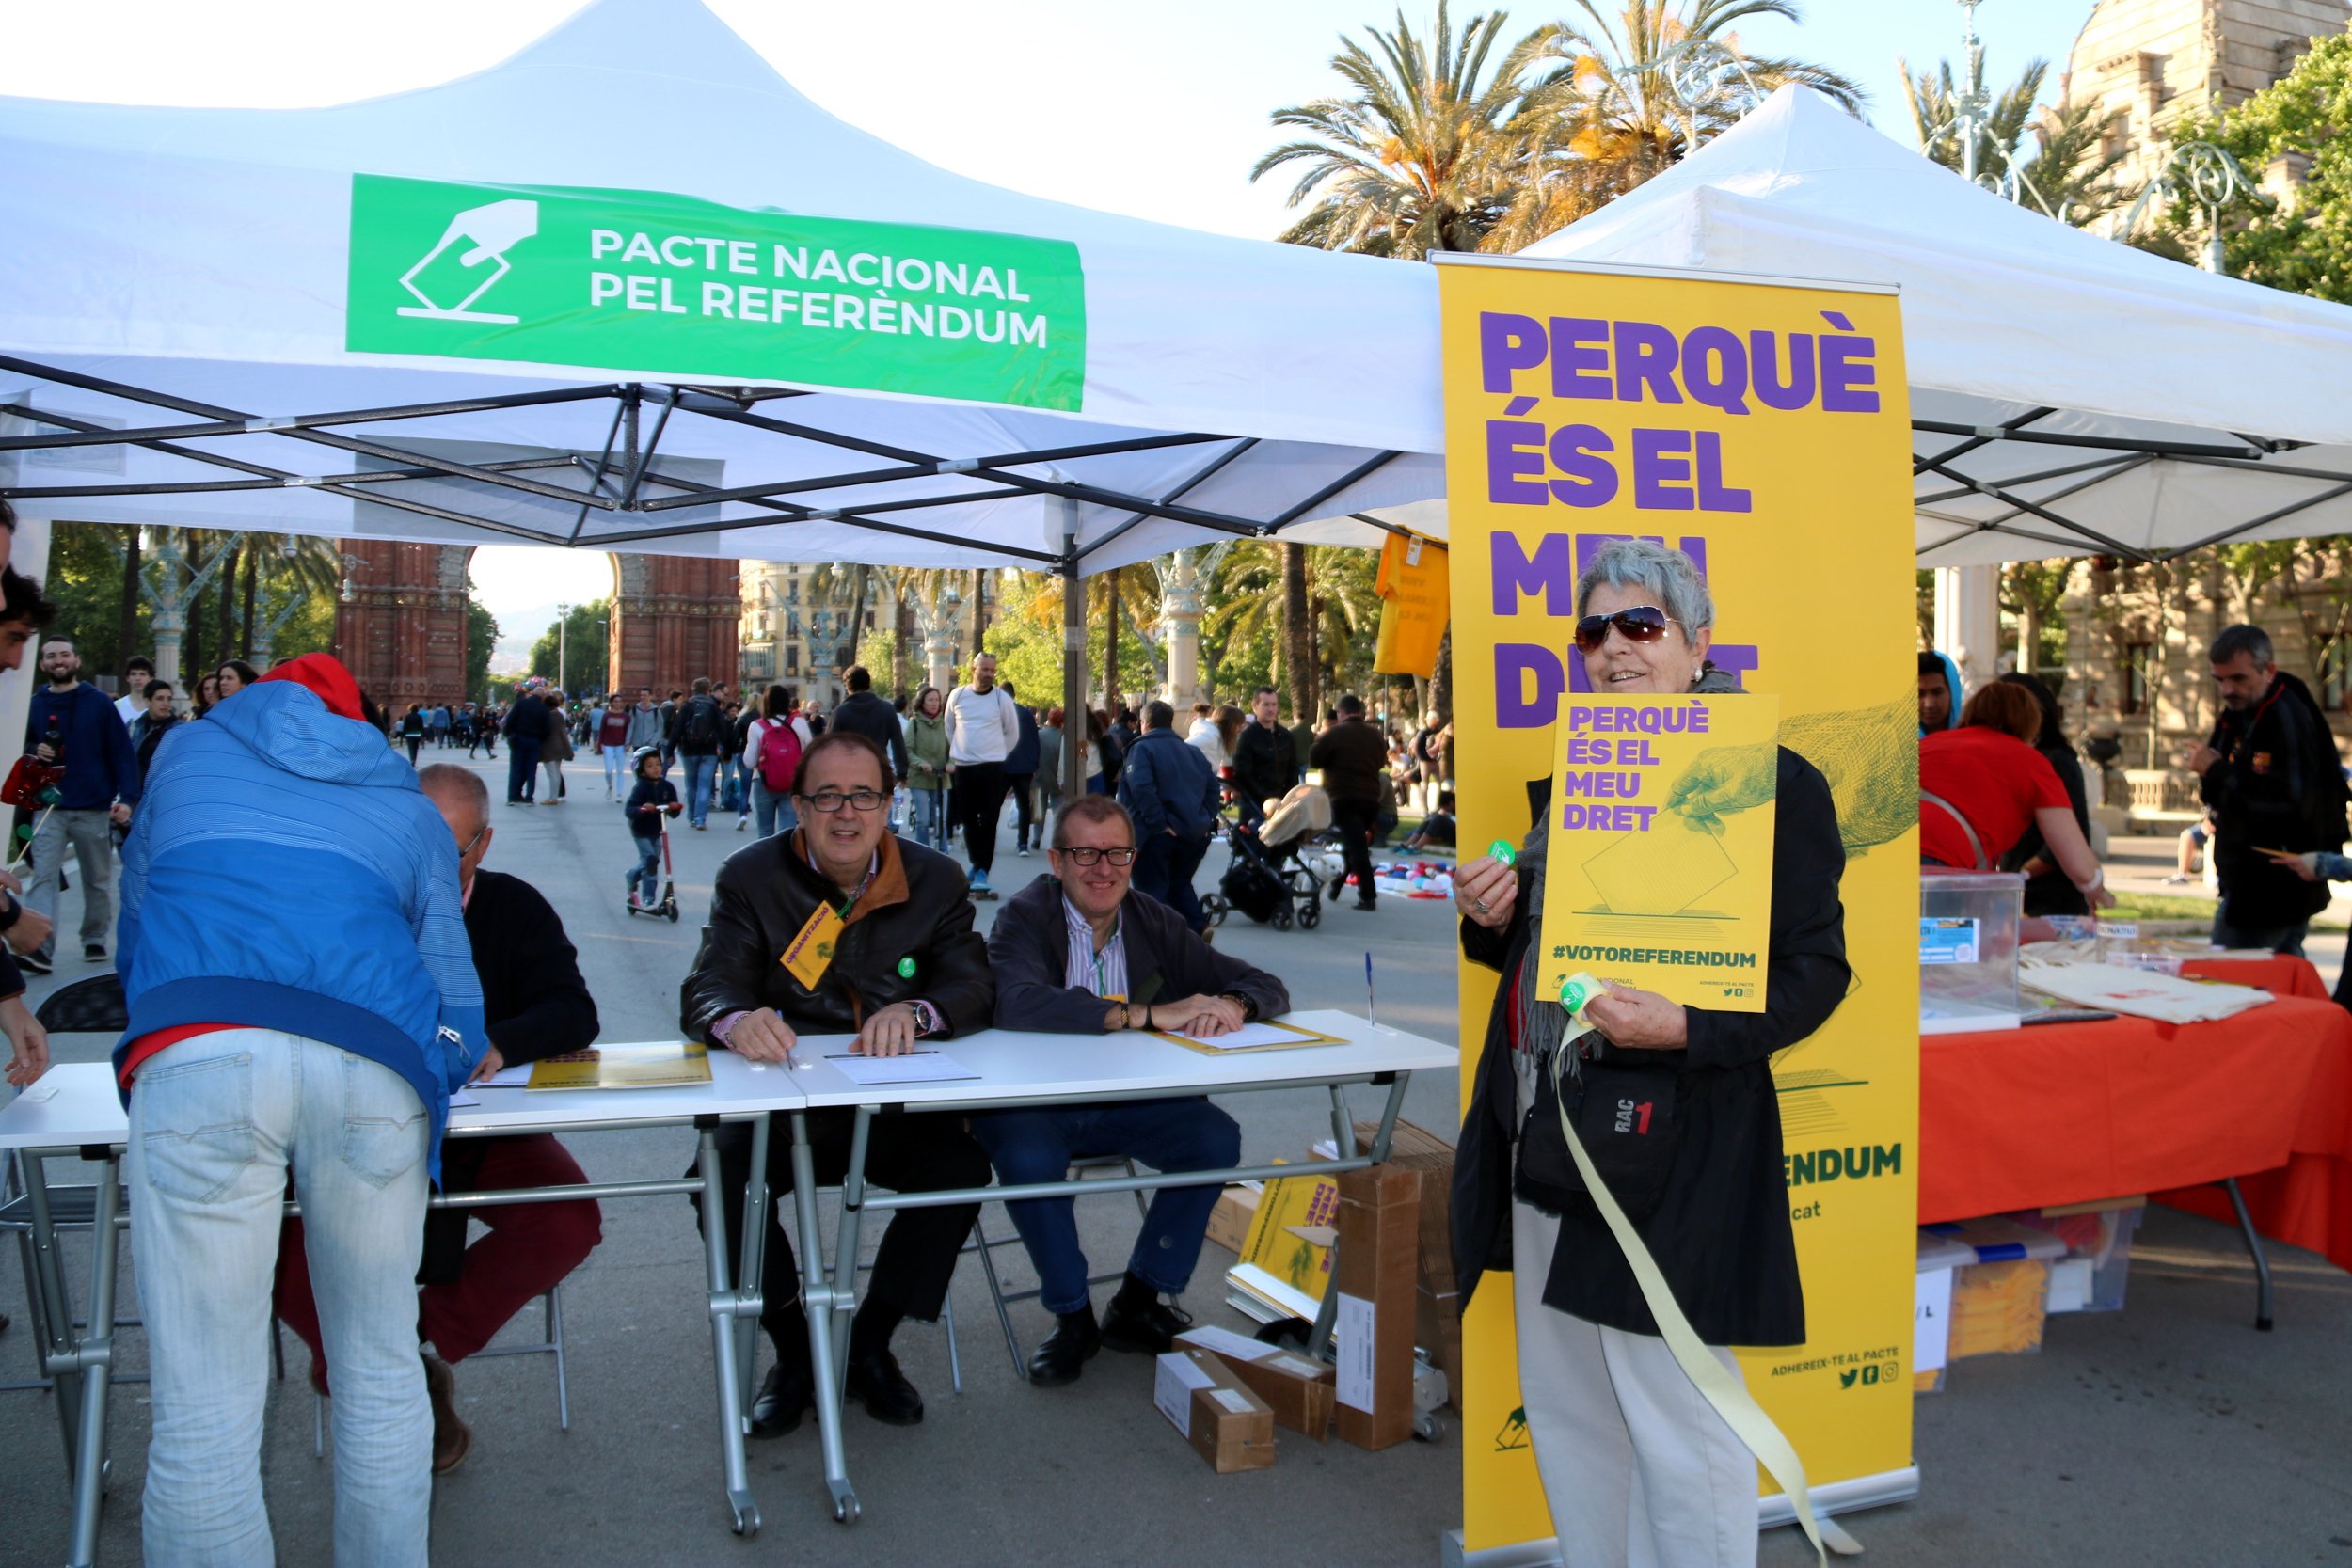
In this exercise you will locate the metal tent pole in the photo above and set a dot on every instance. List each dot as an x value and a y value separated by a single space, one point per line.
1074 658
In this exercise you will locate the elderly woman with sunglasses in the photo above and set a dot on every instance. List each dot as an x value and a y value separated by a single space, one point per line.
1636 1464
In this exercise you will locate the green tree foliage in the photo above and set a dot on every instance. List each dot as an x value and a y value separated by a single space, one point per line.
481 635
84 577
2304 246
583 645
879 653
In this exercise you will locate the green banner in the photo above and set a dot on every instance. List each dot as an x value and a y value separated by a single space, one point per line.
673 287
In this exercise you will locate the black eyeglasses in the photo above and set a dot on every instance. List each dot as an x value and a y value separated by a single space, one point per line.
1641 623
857 799
1094 857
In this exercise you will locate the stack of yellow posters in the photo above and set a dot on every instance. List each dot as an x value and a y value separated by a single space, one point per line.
665 1065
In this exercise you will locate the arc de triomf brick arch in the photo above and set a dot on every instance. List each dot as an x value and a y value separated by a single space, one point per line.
401 622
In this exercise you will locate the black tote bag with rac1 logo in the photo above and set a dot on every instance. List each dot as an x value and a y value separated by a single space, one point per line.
1628 1120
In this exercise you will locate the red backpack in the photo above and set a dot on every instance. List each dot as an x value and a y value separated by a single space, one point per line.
779 755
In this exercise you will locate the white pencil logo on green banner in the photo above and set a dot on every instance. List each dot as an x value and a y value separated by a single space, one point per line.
490 232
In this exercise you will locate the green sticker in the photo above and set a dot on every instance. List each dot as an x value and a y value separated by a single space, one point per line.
1500 849
906 968
1576 991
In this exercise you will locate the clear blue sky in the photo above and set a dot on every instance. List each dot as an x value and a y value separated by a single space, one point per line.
1150 107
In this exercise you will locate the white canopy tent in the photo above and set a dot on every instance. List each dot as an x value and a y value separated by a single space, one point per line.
629 291
2069 395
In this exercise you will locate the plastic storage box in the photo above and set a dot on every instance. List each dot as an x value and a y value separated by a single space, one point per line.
1968 930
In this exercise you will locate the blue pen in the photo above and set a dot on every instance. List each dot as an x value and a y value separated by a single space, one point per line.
1368 1014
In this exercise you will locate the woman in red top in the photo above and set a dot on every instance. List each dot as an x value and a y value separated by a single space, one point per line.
1983 786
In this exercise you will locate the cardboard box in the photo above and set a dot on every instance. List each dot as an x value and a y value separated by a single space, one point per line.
1226 1424
1380 1222
1438 1319
1299 1390
1237 1205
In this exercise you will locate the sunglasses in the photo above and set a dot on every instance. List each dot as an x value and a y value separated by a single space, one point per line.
1641 624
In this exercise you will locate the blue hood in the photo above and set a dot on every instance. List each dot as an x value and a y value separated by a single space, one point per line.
1952 684
286 725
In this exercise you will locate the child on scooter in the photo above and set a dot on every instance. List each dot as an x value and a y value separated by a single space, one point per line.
650 799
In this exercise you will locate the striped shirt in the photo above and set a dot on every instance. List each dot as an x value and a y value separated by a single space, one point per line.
1102 973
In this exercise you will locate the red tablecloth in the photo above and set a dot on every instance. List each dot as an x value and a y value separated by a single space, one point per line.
2282 974
2073 1113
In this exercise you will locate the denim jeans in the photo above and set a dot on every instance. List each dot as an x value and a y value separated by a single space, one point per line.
522 770
89 837
772 813
1164 870
1164 1134
644 878
701 773
929 808
615 769
216 1123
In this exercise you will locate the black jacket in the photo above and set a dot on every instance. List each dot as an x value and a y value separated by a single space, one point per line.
1353 756
1722 1234
1167 784
1029 949
2278 785
1265 763
526 721
534 1004
1021 762
915 912
704 707
2053 891
862 713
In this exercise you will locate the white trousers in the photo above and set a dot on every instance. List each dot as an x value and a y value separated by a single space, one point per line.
1638 1470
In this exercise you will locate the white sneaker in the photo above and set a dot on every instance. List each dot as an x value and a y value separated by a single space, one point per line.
741 823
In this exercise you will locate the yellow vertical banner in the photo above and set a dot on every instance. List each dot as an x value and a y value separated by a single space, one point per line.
1761 426
1413 601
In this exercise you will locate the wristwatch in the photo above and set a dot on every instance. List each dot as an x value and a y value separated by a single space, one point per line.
1248 1008
927 1018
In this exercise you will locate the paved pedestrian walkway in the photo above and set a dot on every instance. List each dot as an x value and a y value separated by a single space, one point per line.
2052 1459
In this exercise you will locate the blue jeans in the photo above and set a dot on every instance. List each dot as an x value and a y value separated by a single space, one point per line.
615 769
701 773
1166 1135
928 809
522 769
644 878
772 813
216 1123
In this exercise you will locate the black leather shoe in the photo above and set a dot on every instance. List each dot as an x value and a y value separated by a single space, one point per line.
781 1401
1066 1350
877 1383
1152 1327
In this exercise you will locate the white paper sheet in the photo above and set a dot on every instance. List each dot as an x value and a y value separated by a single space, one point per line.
1355 1334
1246 1036
508 1078
462 1100
919 1067
1171 1389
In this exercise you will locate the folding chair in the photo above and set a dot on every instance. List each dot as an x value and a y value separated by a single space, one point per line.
549 1343
986 1245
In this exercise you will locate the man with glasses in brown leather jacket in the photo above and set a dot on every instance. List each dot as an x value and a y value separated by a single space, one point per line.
906 965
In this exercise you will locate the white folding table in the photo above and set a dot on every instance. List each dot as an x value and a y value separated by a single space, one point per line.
74 1111
1019 1070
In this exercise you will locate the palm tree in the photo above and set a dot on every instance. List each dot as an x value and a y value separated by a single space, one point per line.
1424 153
2072 173
1630 93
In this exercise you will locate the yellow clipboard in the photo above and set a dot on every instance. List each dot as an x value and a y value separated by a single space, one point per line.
1252 1034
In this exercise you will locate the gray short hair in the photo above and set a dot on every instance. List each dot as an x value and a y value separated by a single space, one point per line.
1669 576
446 780
2252 642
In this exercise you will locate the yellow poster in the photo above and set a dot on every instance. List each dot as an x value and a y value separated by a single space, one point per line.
666 1065
1413 592
1662 846
1761 427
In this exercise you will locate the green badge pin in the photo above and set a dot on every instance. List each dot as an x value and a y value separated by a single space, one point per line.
906 968
1500 849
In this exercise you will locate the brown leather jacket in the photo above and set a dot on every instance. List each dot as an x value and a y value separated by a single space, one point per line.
909 936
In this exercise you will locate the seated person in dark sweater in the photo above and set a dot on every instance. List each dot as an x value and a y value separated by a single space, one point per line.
534 1004
1080 953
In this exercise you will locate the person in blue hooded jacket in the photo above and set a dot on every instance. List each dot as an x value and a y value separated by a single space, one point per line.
303 1001
1940 692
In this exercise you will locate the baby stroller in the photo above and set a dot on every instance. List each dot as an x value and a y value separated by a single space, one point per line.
1269 879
